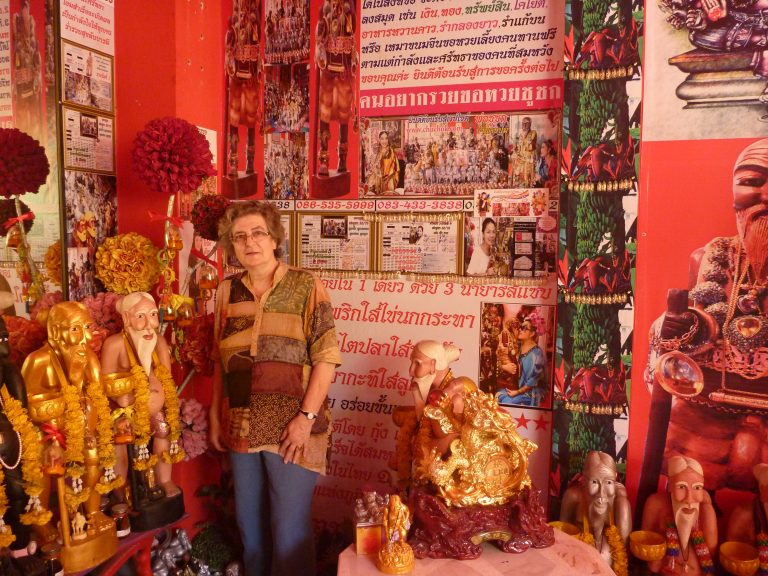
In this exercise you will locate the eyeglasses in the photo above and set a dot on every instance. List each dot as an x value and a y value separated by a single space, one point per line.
257 234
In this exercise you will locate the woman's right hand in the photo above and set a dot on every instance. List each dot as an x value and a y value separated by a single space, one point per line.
214 431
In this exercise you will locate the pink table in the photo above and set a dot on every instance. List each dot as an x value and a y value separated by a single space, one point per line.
567 557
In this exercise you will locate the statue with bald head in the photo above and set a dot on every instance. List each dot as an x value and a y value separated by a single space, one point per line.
134 363
684 515
65 402
598 502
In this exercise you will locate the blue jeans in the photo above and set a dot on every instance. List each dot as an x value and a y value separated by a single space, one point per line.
273 504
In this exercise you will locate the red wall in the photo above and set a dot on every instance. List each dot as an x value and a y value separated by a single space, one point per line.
168 62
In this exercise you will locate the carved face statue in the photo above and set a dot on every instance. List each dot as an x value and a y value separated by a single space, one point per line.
143 316
687 490
600 486
69 330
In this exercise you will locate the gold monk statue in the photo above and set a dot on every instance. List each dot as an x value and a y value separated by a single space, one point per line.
66 403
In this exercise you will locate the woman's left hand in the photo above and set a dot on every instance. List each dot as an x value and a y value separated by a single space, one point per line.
294 438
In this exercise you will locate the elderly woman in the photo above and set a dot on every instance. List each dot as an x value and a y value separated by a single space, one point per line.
278 350
532 363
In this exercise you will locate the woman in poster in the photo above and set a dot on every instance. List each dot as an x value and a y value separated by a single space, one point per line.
546 166
482 261
386 170
532 362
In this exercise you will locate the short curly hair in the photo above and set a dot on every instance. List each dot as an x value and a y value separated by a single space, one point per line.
247 208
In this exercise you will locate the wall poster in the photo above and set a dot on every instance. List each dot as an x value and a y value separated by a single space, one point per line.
88 77
89 141
426 245
335 241
453 155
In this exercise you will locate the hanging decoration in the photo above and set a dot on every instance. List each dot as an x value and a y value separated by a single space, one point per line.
171 155
23 163
206 213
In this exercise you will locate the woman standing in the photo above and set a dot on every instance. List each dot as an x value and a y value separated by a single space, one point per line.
482 262
532 362
278 350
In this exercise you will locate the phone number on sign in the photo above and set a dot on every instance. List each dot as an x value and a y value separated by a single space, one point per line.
425 205
335 205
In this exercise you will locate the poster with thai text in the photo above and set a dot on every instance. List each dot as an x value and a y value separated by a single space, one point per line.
89 141
6 87
335 241
457 154
458 56
87 77
90 23
419 245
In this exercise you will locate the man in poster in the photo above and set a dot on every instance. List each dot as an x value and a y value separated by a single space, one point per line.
710 348
242 60
336 59
27 78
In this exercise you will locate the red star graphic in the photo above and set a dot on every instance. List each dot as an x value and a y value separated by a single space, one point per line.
541 422
522 421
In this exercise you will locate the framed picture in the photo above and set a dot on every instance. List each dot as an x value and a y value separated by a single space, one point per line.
335 241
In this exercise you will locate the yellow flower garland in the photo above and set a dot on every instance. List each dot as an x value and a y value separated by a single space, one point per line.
141 426
31 456
104 434
619 558
175 453
74 433
6 535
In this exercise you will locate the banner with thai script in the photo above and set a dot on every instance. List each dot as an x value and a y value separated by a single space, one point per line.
454 56
90 23
377 323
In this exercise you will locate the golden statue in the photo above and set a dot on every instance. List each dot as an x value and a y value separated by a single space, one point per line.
466 446
68 406
470 466
396 556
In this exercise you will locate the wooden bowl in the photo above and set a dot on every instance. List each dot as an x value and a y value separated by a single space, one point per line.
647 545
739 559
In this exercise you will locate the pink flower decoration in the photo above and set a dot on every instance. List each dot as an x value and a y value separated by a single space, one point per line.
194 427
23 164
106 319
171 155
25 336
45 303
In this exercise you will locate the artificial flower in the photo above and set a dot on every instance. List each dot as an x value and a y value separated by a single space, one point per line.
52 262
196 345
23 164
44 304
9 216
206 213
171 155
194 427
106 318
127 263
25 336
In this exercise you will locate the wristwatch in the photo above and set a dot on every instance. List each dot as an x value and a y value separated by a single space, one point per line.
309 415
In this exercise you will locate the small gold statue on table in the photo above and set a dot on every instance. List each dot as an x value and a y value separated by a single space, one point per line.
396 556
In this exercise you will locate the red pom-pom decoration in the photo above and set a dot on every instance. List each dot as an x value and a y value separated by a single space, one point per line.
171 155
206 213
23 164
